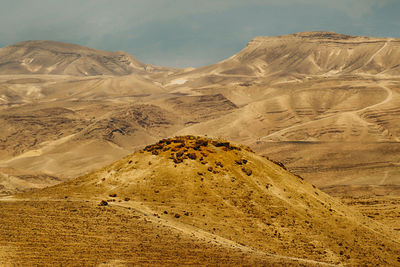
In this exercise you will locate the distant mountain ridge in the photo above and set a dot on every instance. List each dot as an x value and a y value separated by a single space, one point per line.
50 57
303 53
311 53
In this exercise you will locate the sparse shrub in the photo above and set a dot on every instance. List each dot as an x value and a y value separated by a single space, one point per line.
221 144
201 142
103 203
191 156
247 171
280 164
298 176
178 160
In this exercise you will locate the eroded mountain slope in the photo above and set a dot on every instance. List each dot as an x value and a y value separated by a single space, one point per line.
50 57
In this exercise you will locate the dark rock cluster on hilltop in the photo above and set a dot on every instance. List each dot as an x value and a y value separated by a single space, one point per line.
197 148
190 147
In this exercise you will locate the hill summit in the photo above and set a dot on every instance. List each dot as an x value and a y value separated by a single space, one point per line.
219 191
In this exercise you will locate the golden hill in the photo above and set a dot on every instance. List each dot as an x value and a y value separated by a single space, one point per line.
210 191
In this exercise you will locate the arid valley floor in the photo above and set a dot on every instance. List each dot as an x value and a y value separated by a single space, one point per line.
288 153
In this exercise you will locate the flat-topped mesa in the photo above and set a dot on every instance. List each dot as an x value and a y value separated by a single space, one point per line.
320 36
312 35
314 53
323 35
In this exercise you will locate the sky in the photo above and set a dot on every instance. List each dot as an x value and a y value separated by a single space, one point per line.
183 33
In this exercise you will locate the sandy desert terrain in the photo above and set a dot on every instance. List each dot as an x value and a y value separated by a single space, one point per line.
325 105
64 112
205 192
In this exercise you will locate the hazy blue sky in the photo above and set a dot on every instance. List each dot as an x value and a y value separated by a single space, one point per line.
188 32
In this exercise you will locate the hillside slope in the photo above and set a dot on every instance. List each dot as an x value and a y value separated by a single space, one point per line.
214 190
